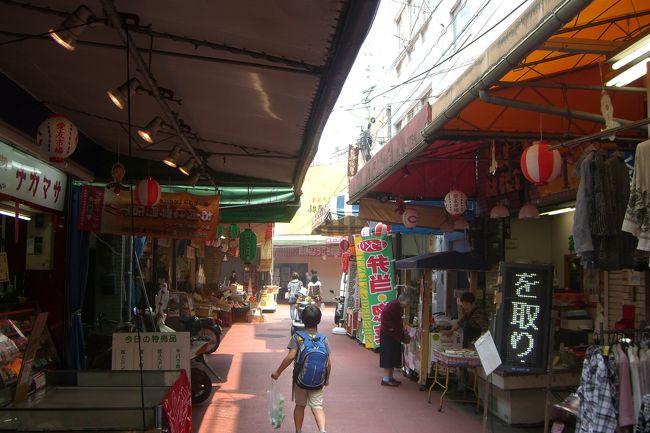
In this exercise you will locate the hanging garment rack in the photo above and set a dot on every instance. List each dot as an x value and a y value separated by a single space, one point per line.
615 335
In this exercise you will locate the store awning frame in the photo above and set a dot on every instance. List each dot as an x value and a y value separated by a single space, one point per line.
545 18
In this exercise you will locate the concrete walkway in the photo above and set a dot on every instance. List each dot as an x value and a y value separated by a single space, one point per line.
354 401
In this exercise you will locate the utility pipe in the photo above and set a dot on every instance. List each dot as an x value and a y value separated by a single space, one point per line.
547 109
116 20
570 86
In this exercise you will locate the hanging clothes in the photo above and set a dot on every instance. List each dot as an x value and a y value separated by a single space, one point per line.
643 422
626 403
636 380
583 243
596 407
613 247
637 216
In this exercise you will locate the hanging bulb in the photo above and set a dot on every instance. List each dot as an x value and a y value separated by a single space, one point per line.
71 28
149 132
499 211
120 96
187 167
172 159
528 211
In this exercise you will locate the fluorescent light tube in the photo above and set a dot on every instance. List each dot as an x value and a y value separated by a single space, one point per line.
13 214
633 52
558 211
626 77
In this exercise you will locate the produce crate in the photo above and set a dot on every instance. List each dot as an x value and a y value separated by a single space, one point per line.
240 315
225 317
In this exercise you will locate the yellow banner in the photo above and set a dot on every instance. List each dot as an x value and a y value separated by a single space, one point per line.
176 216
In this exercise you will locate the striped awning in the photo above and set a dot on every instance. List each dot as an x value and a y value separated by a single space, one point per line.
337 217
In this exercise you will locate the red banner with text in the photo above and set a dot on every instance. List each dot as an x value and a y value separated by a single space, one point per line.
176 216
177 406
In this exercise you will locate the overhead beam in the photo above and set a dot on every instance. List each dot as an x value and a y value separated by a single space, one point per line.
580 46
534 85
548 109
602 134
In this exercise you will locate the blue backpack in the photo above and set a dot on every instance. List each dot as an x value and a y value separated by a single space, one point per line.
310 369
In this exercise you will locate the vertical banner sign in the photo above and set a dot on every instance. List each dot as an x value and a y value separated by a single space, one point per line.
376 282
524 318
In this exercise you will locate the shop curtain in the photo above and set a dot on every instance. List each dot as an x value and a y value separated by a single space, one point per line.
76 276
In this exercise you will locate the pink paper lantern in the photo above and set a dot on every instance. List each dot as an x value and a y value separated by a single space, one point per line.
455 202
58 136
528 212
410 218
499 211
382 229
539 164
147 192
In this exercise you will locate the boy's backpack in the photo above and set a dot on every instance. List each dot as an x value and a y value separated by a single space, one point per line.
310 369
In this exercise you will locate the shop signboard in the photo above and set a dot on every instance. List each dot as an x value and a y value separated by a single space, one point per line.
523 323
28 179
375 270
177 215
160 351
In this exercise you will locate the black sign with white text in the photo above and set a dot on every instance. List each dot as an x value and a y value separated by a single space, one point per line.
524 318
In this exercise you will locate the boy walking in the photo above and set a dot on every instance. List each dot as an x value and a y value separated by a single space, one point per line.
310 352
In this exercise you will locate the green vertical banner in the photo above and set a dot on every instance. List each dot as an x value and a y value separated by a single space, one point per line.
376 282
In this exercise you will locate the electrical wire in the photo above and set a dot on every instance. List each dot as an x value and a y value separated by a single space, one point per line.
445 59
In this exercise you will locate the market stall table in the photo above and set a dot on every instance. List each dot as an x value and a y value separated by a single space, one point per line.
448 362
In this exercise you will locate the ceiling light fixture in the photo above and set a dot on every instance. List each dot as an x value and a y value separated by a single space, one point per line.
630 74
172 159
187 167
631 53
558 211
528 212
71 28
120 95
149 132
13 214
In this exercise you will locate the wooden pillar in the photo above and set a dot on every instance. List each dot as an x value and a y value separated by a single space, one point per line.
427 283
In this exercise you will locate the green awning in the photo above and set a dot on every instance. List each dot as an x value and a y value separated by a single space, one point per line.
243 204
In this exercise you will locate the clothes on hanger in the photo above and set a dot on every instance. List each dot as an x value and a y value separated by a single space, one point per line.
637 217
595 397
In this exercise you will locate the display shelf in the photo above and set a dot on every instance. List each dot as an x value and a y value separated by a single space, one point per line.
16 327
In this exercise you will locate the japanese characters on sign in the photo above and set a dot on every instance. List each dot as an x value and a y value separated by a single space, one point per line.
523 320
177 406
27 178
177 215
374 256
160 351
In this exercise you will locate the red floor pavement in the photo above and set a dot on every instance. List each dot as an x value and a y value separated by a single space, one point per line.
354 401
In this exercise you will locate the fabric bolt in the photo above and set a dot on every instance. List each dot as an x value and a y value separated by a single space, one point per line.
625 403
637 216
643 421
595 397
583 243
636 381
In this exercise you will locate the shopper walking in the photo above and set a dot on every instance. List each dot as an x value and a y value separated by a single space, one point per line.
293 289
391 336
310 352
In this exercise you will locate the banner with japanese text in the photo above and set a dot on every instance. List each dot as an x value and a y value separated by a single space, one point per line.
176 216
376 282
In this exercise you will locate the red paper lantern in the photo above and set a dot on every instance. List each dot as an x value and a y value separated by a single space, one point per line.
539 164
382 229
344 245
345 262
410 218
58 136
147 192
455 202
